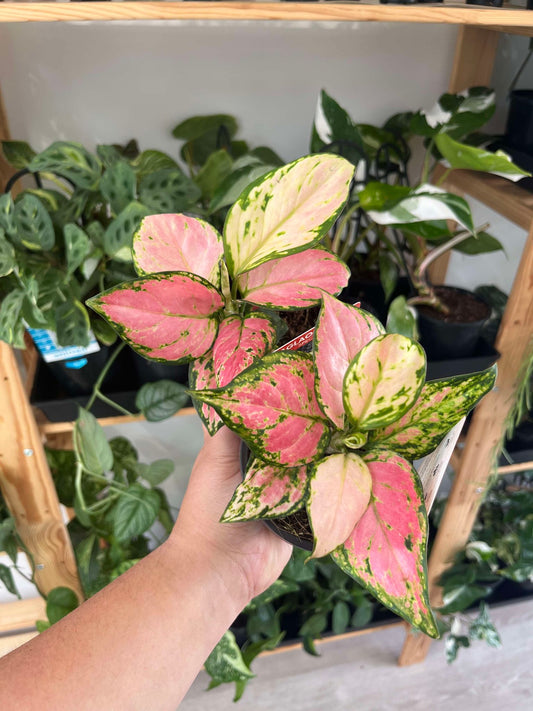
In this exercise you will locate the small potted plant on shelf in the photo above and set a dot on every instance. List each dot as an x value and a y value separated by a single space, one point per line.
333 433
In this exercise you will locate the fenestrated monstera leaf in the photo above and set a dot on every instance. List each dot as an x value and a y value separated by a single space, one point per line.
440 406
202 377
341 332
386 551
167 316
240 341
383 381
295 281
273 407
177 243
285 211
267 492
340 493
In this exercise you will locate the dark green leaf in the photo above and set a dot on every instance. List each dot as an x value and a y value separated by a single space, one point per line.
198 126
34 225
453 644
157 471
118 185
102 330
11 325
72 322
251 651
53 200
118 238
309 646
168 191
461 597
69 160
363 613
7 255
480 244
19 154
332 123
482 628
430 230
6 577
402 318
314 625
59 602
275 591
91 444
41 625
211 175
151 161
267 156
160 400
73 208
77 246
108 154
388 274
135 511
297 569
340 617
7 214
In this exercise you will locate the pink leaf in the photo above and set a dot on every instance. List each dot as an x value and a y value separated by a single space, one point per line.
383 381
168 316
440 406
386 551
240 341
177 243
295 281
202 377
285 211
340 491
273 407
267 492
341 333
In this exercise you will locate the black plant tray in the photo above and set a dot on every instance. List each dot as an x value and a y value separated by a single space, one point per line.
484 356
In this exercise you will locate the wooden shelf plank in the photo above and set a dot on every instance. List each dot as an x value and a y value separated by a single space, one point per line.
510 19
502 196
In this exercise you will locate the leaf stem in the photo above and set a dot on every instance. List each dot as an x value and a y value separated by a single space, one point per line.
96 389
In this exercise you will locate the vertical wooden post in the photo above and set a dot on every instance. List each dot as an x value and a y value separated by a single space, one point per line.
27 487
472 66
6 171
515 343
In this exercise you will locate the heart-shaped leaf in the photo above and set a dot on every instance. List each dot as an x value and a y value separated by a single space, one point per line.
160 400
167 316
285 211
340 334
168 190
440 406
202 377
91 444
267 492
77 246
177 243
18 153
34 225
332 123
340 492
295 281
459 155
383 381
386 551
273 407
71 161
240 342
134 513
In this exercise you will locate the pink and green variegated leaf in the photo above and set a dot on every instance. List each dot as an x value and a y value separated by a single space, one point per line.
272 406
168 316
440 406
386 551
239 342
177 243
202 377
340 493
267 492
285 211
383 381
341 332
295 281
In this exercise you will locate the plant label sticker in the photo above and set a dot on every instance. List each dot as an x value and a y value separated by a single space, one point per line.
303 342
51 352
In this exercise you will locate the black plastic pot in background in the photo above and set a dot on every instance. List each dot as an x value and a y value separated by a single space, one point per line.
450 339
369 292
148 371
519 129
77 376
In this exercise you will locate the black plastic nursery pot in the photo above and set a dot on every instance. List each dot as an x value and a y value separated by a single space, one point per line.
148 371
519 129
457 334
368 291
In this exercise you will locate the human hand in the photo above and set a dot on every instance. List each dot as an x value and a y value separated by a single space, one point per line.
247 553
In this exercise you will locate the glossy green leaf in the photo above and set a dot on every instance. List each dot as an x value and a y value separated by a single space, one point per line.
156 472
459 155
91 444
71 161
59 602
388 274
34 225
151 161
6 578
73 324
160 400
168 190
118 238
285 211
77 246
135 512
7 255
73 208
383 381
456 114
198 126
401 318
482 243
332 123
118 185
217 167
440 406
19 154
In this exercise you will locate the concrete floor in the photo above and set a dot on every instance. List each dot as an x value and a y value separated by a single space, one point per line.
360 674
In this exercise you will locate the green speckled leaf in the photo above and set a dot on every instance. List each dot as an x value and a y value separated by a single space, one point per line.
168 190
34 225
118 185
118 238
77 246
7 255
69 160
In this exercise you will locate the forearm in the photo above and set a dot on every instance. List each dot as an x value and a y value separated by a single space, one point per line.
172 608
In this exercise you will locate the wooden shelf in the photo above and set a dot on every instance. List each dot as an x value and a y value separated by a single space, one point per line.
502 196
509 19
